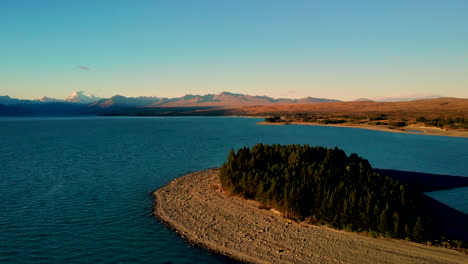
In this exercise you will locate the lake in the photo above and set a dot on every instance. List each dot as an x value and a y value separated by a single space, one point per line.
78 189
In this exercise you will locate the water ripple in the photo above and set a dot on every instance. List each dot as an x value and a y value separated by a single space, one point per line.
78 190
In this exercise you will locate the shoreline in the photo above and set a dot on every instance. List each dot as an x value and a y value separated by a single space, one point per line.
195 207
406 130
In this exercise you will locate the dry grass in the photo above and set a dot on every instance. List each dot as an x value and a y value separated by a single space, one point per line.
430 108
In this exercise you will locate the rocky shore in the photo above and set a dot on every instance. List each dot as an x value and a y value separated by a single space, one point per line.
196 208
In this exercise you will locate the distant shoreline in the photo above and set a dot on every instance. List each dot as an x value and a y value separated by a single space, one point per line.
406 130
196 208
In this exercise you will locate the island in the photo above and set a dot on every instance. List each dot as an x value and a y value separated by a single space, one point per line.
211 209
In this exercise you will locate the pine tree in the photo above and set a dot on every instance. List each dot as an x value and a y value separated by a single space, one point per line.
407 231
383 222
418 231
396 225
301 181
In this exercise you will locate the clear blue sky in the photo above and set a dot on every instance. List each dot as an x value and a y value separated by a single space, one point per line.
334 49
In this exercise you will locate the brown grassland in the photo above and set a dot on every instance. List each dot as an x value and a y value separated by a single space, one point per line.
443 116
430 108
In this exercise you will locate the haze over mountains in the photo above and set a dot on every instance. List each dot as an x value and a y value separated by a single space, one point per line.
76 97
406 98
222 99
80 102
83 103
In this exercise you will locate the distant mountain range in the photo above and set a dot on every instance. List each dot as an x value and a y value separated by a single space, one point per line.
80 97
405 98
83 103
223 99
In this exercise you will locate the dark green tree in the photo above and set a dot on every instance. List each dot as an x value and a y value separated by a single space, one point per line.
325 185
418 231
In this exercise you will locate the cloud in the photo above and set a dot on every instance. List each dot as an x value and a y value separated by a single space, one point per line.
291 92
83 68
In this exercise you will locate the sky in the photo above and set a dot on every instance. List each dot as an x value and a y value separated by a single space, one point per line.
330 49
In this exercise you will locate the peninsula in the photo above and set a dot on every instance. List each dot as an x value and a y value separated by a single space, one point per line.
277 203
196 207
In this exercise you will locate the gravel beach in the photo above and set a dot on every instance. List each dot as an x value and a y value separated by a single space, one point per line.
197 209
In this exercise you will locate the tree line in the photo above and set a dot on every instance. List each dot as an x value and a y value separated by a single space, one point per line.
324 185
442 122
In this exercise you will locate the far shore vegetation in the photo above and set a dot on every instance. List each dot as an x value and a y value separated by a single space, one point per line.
382 120
324 186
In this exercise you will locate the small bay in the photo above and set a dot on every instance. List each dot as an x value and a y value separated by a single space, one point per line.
78 189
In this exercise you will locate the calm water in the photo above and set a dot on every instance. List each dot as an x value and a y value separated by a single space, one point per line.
78 189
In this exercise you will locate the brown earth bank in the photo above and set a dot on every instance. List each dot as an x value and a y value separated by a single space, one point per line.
430 108
418 130
442 116
196 208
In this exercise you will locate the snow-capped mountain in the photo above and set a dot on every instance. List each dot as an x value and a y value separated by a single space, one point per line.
46 99
226 99
81 97
122 101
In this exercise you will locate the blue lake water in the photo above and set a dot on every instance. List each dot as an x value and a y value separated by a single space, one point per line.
77 190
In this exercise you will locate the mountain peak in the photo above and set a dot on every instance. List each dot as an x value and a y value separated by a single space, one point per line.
46 99
82 97
363 100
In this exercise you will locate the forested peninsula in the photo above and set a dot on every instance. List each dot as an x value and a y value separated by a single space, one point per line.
275 203
322 185
325 186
